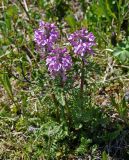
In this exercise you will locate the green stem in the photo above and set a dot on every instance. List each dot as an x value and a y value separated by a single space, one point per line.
56 103
82 83
69 119
66 110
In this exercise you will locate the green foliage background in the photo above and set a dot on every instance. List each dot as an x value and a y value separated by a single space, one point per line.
29 128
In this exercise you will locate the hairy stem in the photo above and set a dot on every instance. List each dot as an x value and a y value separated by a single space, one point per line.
56 103
82 83
67 115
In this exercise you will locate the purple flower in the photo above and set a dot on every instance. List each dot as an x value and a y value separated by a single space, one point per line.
46 35
59 62
82 42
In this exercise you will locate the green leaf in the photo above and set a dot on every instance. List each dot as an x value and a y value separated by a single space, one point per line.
104 156
97 10
127 52
71 20
117 52
12 11
61 99
123 56
4 79
104 8
109 10
8 22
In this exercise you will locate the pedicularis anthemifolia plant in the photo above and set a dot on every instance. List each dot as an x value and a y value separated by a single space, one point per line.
59 59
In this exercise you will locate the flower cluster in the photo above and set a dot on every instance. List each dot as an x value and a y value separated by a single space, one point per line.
82 42
59 62
46 35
